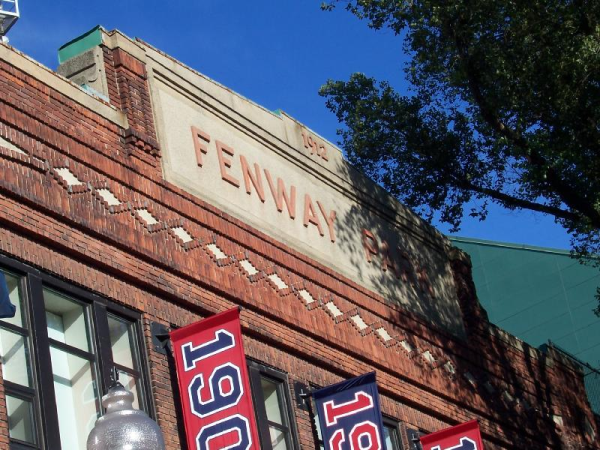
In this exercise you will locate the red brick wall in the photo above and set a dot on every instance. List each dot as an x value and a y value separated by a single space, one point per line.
70 231
128 90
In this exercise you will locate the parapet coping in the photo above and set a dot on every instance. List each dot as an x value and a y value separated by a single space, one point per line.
59 83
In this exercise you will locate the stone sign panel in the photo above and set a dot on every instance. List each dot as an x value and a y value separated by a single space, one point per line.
280 177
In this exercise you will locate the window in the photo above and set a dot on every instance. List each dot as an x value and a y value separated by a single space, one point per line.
57 356
272 404
15 341
124 352
391 436
317 425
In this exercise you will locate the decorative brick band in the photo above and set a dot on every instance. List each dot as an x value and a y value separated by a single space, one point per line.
142 141
284 283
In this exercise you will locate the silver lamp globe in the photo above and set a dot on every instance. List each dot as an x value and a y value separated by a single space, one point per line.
123 427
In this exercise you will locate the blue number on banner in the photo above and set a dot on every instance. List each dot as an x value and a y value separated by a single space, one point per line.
238 424
191 355
465 444
222 396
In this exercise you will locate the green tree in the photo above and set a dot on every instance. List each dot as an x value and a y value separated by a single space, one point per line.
504 108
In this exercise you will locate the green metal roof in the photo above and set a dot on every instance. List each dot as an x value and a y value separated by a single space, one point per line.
538 294
510 245
80 44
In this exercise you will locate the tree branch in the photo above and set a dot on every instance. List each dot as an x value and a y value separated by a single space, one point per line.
510 201
567 194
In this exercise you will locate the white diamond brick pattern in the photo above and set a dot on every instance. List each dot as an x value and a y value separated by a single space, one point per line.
145 215
470 378
182 234
427 356
383 333
11 146
215 250
108 197
248 267
450 368
333 309
558 420
68 176
277 281
509 398
359 322
71 180
406 346
306 296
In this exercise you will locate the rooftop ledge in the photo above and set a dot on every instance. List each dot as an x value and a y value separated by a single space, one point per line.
55 81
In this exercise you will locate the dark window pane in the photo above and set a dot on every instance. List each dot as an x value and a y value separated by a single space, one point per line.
121 340
131 383
272 400
391 437
66 320
79 406
274 420
20 419
278 438
14 355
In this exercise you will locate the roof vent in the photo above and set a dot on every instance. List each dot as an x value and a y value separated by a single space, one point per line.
9 13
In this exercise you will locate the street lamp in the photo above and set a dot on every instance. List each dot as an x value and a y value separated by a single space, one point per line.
123 427
9 14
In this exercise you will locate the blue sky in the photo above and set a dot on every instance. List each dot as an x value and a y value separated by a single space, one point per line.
276 53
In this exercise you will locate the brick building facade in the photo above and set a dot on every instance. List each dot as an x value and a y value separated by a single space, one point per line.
101 249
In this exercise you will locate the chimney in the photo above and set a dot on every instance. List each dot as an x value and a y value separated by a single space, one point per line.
112 67
81 60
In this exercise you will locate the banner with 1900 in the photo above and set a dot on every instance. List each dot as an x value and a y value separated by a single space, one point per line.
213 384
349 414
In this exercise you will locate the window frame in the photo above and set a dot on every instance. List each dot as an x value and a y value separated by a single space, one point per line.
139 350
256 371
394 425
32 283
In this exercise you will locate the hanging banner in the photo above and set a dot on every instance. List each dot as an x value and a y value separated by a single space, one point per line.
213 384
465 436
349 414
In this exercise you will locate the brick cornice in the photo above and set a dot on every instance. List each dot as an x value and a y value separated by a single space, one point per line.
142 141
134 65
226 282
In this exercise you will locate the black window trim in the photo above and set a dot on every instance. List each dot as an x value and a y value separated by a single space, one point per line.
257 369
32 283
394 424
28 395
